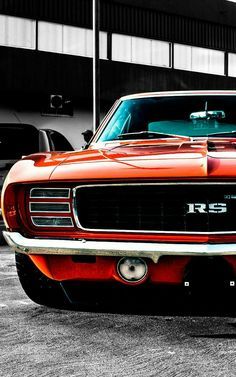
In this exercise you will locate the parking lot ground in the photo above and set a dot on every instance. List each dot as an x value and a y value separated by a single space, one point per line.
40 341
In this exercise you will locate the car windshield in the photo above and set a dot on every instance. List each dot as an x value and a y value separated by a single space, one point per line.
193 116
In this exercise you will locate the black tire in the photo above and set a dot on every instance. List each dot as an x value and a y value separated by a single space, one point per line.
38 287
2 240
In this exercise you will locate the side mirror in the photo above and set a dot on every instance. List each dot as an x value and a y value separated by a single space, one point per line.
87 134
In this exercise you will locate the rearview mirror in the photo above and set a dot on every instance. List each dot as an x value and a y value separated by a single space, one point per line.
87 134
208 115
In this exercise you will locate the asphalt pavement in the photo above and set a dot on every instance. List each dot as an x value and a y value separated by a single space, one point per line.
40 341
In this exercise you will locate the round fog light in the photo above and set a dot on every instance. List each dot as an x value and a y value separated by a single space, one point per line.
132 270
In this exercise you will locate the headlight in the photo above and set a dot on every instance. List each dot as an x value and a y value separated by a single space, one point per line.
132 270
51 207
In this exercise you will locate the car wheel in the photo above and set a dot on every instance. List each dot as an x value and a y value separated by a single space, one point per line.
38 287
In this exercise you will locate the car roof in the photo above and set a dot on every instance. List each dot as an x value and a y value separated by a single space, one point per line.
179 93
20 126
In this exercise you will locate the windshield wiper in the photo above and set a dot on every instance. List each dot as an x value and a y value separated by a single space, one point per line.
226 133
148 135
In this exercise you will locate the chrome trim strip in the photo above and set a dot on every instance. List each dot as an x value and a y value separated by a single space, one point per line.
114 248
51 189
52 217
33 211
78 224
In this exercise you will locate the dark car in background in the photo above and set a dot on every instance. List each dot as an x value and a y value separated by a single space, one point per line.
17 140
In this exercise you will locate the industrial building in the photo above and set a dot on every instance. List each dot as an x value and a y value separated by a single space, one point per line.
46 55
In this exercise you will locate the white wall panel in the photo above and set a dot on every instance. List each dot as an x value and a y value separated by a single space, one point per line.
122 48
198 59
50 37
160 53
182 57
69 40
232 65
141 50
17 32
75 41
103 45
217 62
126 48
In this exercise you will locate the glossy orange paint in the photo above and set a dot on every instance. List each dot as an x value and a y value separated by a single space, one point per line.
42 264
168 270
155 160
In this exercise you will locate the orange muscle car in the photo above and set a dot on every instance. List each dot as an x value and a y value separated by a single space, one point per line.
150 200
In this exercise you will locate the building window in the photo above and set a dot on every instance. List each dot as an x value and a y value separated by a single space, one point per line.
17 32
69 40
161 54
122 48
232 65
126 48
199 59
50 37
141 50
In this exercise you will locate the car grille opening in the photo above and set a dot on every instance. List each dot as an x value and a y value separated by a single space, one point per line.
157 207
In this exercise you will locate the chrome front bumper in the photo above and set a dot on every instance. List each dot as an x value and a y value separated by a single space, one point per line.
153 251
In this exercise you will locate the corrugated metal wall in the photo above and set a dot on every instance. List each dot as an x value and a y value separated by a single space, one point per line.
31 74
36 73
121 79
128 20
168 27
72 12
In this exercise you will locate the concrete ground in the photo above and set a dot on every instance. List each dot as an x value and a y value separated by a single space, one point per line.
39 341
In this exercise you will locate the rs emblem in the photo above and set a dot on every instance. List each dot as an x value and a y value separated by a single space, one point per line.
207 208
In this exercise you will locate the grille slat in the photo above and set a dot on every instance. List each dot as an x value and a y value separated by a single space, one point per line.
157 207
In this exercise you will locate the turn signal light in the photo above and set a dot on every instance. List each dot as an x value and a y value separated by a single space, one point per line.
9 210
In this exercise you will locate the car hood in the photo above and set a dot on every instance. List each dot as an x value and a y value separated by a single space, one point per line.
35 168
151 159
131 160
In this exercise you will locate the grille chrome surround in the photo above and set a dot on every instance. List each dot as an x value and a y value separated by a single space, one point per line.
167 184
35 218
52 204
50 189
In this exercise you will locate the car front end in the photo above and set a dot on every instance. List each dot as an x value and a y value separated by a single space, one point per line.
151 201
